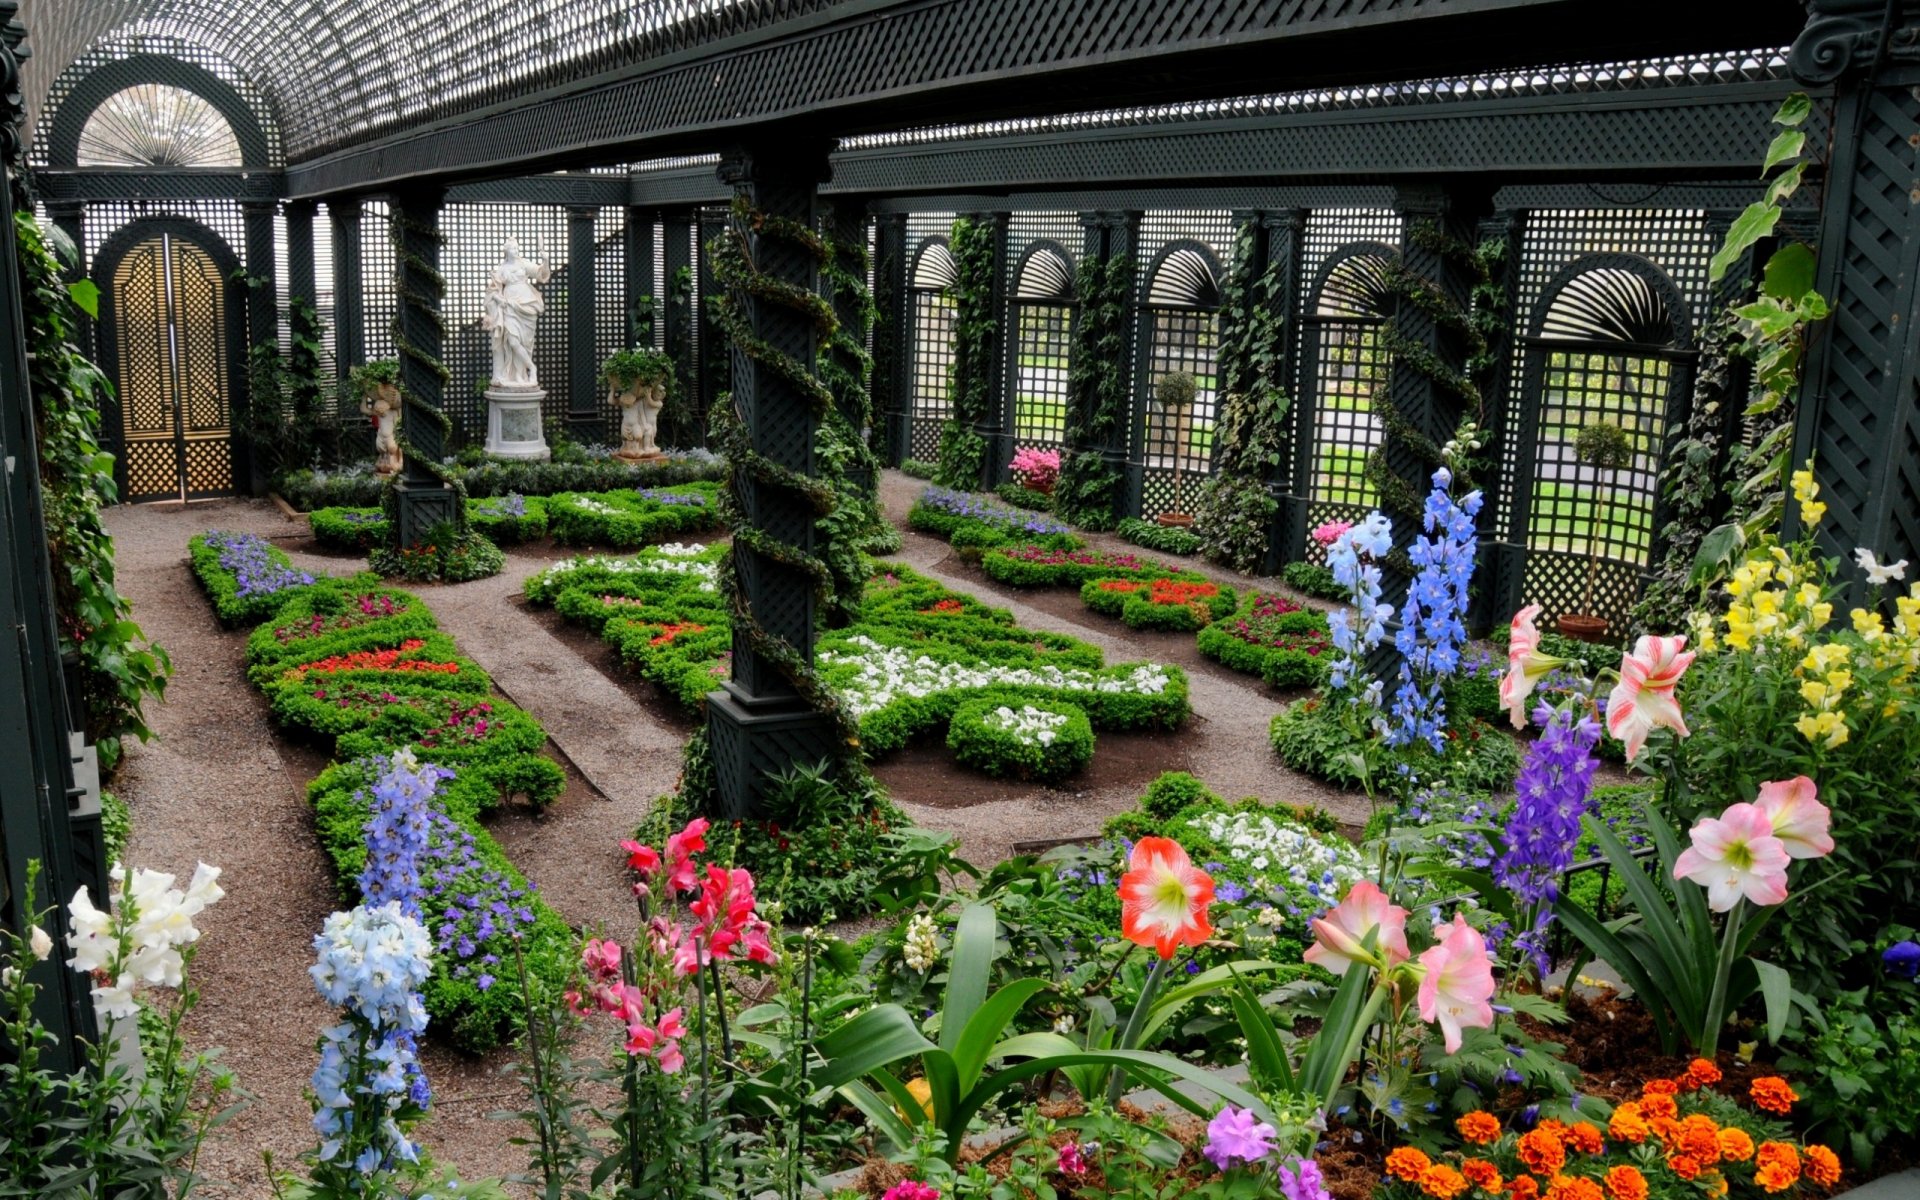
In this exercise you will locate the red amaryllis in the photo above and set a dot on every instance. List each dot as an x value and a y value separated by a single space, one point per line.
1164 898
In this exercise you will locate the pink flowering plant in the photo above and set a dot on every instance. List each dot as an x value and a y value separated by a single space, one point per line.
1035 468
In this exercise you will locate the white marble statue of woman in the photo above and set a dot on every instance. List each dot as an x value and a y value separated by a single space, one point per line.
640 405
513 305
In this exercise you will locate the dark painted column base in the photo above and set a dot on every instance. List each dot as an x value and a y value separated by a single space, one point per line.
422 505
753 739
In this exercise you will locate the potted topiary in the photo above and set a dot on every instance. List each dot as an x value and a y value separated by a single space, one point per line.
1605 447
1175 392
377 385
638 383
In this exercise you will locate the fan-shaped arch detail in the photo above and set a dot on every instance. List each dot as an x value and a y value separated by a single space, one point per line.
157 125
1045 275
1355 283
1613 298
1184 277
933 267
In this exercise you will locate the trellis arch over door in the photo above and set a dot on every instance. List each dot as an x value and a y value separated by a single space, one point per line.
1044 303
173 341
1179 331
1343 365
930 346
1610 340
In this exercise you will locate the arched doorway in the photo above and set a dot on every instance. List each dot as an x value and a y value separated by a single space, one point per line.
172 337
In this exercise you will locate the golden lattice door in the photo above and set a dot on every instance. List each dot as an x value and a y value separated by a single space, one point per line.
173 374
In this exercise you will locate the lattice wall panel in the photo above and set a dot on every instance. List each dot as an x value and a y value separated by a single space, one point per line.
377 264
610 324
1043 346
1675 240
929 345
1576 507
1341 361
1177 340
1557 582
116 48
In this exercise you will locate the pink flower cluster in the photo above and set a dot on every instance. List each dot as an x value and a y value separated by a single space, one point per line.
726 926
609 992
1455 974
911 1189
1329 532
1744 852
1037 469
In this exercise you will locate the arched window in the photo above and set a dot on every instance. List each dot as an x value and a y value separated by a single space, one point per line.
1181 327
1346 366
1609 362
931 346
157 125
1043 300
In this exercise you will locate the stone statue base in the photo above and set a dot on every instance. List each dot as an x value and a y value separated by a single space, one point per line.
515 428
651 456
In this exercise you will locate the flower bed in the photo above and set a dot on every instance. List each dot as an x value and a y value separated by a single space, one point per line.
358 486
635 517
1273 637
1047 741
244 575
1038 565
944 512
337 619
1179 605
348 528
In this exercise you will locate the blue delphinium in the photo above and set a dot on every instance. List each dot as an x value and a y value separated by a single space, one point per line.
1555 790
400 804
1354 559
1431 630
371 962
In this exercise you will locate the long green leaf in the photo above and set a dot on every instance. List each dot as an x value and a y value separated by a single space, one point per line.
880 1112
968 969
879 1037
1684 978
1696 920
989 1021
1070 1055
1324 1056
1776 989
1604 945
1207 983
1266 1057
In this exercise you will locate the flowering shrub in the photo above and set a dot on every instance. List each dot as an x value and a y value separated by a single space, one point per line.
1173 604
1037 469
1273 637
942 512
446 554
633 518
1034 565
244 575
1046 742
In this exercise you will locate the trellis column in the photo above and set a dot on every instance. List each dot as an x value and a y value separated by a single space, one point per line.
263 322
423 498
1501 561
1106 236
759 722
675 309
845 224
584 414
991 428
1281 247
890 360
1859 410
638 247
349 296
711 352
303 299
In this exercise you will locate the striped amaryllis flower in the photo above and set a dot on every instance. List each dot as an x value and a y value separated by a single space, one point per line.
1643 699
1164 897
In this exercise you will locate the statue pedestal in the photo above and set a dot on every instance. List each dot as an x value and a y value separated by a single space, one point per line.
514 424
652 456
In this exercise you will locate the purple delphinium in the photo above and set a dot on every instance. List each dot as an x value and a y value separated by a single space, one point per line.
251 562
1555 790
1236 1138
1431 631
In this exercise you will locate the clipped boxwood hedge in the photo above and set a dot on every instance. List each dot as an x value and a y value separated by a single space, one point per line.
1045 741
502 520
360 487
1165 539
624 520
1179 605
1273 637
246 577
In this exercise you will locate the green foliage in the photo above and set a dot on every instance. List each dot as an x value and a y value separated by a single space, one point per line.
1024 497
627 519
364 378
446 554
918 468
625 369
119 668
1857 1064
116 825
1603 445
976 342
1312 579
1235 520
284 425
1288 649
1175 391
1310 736
988 736
308 490
1163 538
1088 493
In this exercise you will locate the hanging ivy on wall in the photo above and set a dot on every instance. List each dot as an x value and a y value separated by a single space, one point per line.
976 330
885 338
119 669
843 446
1088 493
1478 326
1236 511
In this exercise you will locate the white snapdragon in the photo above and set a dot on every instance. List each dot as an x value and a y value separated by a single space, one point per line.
921 950
40 943
138 938
1029 726
885 673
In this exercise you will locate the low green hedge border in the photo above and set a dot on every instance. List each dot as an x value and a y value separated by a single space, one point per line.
1151 536
1314 580
1310 737
1301 658
988 737
1132 601
1021 496
308 490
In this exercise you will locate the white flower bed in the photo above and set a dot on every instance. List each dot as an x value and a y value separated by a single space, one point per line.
588 505
1029 726
886 672
671 559
1278 853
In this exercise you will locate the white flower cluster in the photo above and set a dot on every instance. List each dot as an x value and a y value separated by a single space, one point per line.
1280 853
670 559
921 950
885 673
373 961
1030 726
588 504
140 936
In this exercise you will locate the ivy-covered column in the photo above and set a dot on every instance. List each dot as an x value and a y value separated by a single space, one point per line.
675 311
1502 565
586 418
1100 383
970 438
1278 299
845 362
303 316
421 494
889 378
773 714
263 330
1859 410
349 296
638 301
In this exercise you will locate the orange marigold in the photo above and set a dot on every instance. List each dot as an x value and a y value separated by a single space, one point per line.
1776 1166
1482 1174
1523 1187
1442 1182
1822 1165
1627 1125
1626 1183
1659 1106
1773 1094
1660 1087
1542 1151
1408 1163
1584 1137
1735 1145
1716 1185
1573 1187
1699 1073
1699 1138
1685 1166
1479 1127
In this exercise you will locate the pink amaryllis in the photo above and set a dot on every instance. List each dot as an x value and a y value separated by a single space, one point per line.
1735 856
1457 990
1526 666
1164 897
1643 700
1799 820
1339 937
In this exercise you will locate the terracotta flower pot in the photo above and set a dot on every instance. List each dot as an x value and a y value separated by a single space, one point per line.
1175 520
1582 627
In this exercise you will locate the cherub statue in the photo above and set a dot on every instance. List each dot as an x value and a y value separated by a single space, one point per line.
382 403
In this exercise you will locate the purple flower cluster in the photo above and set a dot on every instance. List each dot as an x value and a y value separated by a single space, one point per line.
480 906
1555 789
1431 631
681 499
400 804
257 568
370 517
513 504
973 508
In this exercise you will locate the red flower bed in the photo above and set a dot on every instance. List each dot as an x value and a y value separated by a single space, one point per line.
374 660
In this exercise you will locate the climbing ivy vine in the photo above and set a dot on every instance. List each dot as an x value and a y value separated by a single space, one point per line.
1236 511
1088 492
976 330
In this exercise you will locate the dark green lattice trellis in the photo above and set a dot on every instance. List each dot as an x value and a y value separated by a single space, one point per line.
1179 330
1041 348
931 314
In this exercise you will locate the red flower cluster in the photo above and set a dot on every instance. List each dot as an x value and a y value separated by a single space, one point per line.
672 630
726 927
944 608
1171 591
373 660
610 993
1083 558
